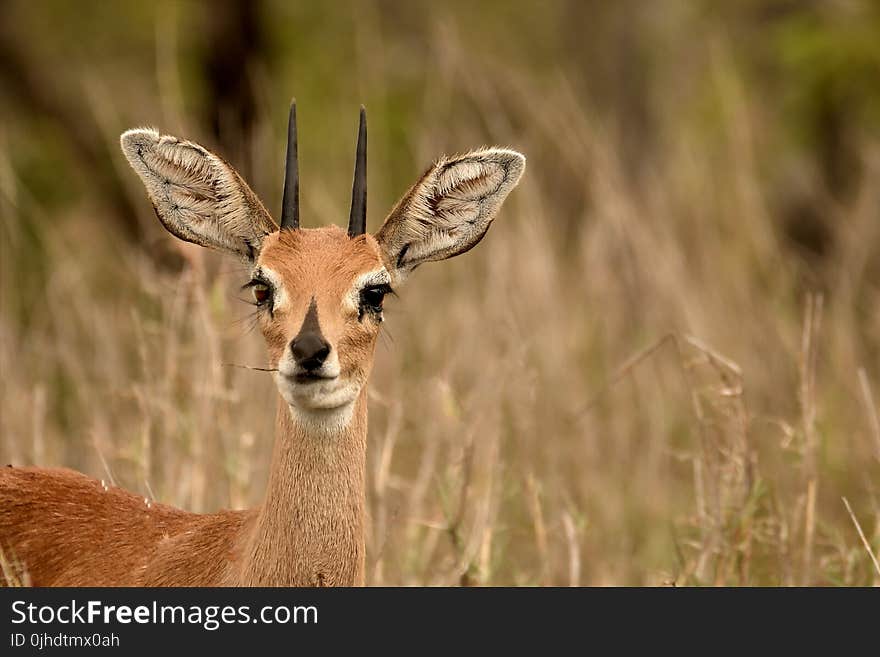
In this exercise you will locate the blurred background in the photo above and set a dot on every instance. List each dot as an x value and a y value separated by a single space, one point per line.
661 368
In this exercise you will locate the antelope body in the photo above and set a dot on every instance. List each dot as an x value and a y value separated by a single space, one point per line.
319 296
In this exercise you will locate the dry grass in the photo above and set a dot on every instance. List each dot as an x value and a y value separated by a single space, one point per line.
633 380
12 571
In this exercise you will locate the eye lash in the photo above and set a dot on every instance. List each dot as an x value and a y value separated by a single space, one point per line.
385 288
374 308
269 302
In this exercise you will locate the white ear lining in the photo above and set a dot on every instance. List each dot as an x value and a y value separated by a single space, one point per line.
450 209
197 195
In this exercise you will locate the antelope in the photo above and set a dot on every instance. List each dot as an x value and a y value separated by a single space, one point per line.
319 295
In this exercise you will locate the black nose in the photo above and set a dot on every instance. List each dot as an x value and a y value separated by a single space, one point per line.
310 351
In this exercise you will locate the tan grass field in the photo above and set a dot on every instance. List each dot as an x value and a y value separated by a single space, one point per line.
642 376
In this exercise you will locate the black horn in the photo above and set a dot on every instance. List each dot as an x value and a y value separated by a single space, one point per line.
357 220
290 200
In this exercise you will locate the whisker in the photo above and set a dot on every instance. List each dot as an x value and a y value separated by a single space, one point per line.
248 321
249 367
386 337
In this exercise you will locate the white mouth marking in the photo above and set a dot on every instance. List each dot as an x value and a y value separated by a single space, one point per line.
325 404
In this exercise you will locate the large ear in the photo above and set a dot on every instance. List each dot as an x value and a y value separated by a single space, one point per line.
449 210
198 197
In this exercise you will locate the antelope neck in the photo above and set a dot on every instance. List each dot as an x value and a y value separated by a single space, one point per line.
309 530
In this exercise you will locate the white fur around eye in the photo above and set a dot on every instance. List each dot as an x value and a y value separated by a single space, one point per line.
379 276
279 294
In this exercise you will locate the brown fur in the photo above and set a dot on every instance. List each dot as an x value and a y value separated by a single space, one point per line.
309 531
59 527
65 529
310 528
321 264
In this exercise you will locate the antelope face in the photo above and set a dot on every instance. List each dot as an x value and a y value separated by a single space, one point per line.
319 296
319 292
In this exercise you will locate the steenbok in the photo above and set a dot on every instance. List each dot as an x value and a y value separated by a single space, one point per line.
319 296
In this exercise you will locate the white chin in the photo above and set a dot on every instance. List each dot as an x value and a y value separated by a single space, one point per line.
317 396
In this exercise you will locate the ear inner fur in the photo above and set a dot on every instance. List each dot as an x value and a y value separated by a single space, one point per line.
448 211
196 194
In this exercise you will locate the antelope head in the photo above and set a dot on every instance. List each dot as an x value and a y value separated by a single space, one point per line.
319 292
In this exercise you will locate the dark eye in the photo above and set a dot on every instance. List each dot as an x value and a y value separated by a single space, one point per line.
262 292
372 297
